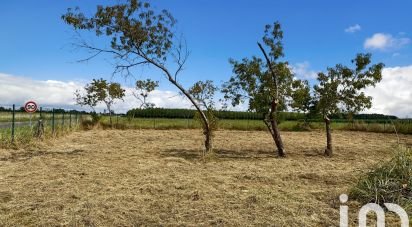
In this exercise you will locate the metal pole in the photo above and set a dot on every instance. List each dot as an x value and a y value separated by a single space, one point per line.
63 120
70 117
53 129
41 110
12 123
30 114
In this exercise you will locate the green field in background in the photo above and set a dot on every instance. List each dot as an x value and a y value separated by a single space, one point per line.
164 123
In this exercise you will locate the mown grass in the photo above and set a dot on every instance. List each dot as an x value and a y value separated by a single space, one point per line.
159 178
389 182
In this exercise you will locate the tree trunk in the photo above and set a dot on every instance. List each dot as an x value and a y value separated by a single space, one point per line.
274 130
328 150
278 139
208 139
206 130
110 118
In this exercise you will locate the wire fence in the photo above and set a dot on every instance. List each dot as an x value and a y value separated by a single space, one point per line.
17 126
403 126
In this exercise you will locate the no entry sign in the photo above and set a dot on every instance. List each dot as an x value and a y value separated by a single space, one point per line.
30 107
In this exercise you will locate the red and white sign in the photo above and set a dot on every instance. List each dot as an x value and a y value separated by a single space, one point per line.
30 107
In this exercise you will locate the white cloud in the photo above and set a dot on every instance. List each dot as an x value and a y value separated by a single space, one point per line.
353 29
302 71
60 94
381 41
393 95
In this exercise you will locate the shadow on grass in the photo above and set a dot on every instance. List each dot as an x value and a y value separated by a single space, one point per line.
219 154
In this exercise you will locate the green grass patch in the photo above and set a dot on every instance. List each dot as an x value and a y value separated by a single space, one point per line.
390 182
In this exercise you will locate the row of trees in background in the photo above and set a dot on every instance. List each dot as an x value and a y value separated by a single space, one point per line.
220 114
141 36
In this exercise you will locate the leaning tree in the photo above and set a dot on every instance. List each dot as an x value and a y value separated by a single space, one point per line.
138 36
265 83
340 89
100 91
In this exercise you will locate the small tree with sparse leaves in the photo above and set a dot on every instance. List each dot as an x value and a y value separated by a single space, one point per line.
100 91
265 83
204 93
340 89
142 91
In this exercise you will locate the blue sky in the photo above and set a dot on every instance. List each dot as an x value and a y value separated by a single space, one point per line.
35 43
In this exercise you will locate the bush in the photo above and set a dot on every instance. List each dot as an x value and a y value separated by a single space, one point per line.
390 182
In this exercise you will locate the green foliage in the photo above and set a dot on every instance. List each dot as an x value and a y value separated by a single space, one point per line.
211 116
390 182
100 91
133 28
340 89
262 83
143 88
204 92
96 117
300 95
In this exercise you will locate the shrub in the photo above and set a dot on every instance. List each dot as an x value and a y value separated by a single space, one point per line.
390 182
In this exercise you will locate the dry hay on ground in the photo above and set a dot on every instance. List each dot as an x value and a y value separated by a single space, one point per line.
155 177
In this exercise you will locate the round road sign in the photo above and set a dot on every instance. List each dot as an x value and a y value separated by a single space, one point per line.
30 107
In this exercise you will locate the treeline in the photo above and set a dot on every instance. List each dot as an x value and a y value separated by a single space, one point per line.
242 115
221 114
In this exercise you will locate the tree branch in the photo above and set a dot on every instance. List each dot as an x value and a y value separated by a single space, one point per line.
275 81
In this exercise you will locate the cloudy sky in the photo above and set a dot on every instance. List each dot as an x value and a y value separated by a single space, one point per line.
38 62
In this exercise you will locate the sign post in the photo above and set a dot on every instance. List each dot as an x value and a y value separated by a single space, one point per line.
30 107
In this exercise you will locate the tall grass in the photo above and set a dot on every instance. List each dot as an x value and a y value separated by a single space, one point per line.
26 135
390 182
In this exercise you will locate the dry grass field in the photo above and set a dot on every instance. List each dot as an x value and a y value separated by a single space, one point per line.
158 177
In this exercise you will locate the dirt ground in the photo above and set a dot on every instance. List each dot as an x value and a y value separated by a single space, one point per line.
158 177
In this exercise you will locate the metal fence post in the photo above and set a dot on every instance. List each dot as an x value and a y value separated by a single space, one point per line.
12 123
63 121
70 119
53 129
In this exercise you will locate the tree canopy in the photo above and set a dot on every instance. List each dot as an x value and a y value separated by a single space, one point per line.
99 90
